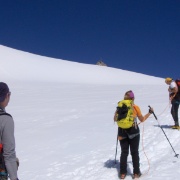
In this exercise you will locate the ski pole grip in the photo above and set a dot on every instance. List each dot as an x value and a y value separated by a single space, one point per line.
149 107
152 112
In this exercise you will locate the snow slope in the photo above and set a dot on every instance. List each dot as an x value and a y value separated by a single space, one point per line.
63 113
30 67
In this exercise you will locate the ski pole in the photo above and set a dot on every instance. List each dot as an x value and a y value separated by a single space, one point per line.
176 155
116 148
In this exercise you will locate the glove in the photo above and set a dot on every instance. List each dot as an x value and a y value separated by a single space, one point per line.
150 111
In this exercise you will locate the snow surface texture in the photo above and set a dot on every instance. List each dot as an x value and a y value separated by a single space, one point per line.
63 113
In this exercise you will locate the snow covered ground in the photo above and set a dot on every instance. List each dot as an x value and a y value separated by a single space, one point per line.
63 113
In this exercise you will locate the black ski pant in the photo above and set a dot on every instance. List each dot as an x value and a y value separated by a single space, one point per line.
174 112
134 148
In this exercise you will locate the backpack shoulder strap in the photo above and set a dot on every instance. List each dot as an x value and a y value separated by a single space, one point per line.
1 114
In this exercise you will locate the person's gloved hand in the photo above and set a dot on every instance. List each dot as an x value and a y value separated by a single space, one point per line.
151 110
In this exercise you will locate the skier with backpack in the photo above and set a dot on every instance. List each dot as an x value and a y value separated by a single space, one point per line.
174 96
128 132
8 160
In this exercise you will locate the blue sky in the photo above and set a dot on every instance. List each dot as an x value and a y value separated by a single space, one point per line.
137 35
